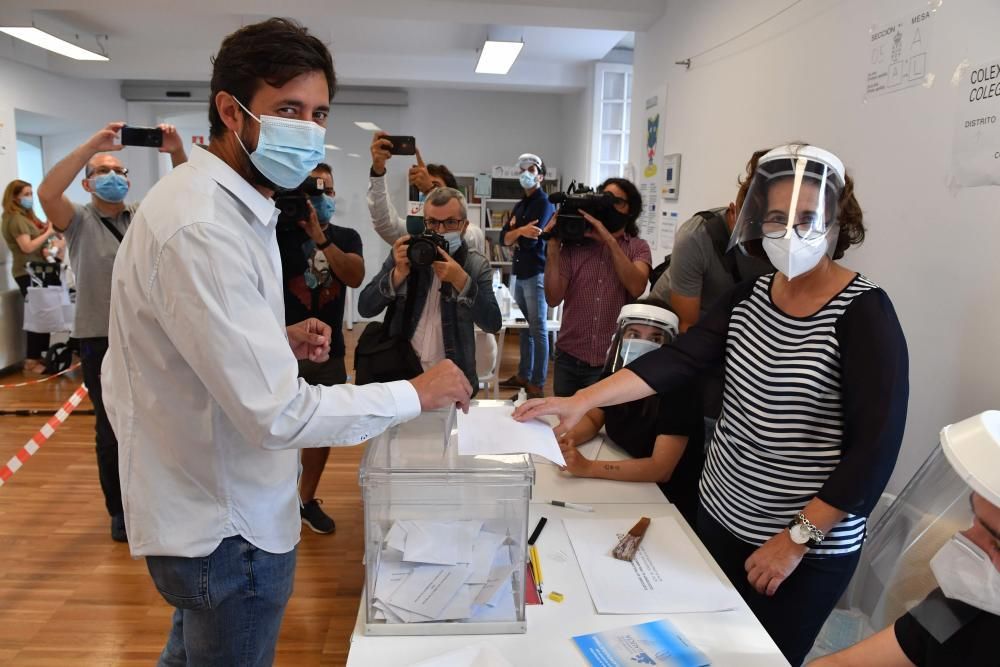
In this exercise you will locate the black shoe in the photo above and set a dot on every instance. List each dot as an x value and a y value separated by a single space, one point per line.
513 381
315 518
118 533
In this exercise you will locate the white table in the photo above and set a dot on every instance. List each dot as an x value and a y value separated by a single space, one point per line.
728 638
514 321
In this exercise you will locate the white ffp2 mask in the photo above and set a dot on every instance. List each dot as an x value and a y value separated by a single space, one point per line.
794 256
966 573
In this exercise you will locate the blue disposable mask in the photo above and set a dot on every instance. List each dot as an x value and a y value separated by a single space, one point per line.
454 240
287 148
325 206
111 187
26 202
528 180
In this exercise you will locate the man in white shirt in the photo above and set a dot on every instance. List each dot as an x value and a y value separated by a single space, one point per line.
201 377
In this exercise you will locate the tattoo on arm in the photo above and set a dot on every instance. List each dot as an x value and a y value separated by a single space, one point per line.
611 466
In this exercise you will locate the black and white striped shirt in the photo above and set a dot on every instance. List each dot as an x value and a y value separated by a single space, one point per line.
812 406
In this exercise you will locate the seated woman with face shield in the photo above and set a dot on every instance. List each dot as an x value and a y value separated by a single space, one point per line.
814 398
664 434
916 549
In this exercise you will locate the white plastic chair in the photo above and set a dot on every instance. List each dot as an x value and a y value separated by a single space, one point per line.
487 361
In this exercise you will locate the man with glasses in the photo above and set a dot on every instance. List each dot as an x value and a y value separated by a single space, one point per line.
93 233
437 305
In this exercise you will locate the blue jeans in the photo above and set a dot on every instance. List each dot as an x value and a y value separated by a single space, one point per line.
573 374
228 605
530 296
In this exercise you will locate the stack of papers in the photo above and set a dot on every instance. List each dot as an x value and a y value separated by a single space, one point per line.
444 571
491 429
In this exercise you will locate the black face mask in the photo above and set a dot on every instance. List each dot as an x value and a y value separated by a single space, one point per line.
616 220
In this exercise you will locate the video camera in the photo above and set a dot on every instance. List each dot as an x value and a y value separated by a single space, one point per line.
422 249
571 227
293 205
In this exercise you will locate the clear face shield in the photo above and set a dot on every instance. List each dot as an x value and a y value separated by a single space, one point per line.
942 531
642 328
790 210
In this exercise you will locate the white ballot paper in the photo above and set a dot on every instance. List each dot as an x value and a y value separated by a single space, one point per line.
444 571
667 576
490 429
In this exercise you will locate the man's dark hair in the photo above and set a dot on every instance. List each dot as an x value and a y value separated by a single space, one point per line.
634 202
274 52
442 172
323 166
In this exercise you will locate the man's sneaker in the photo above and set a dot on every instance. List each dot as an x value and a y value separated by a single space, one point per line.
118 533
316 518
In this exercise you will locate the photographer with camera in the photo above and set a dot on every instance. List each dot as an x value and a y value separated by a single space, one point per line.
438 288
93 233
319 261
529 217
596 268
389 225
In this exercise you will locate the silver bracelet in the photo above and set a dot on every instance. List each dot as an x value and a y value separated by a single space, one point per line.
814 532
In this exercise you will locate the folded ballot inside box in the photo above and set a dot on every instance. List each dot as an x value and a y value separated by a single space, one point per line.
445 533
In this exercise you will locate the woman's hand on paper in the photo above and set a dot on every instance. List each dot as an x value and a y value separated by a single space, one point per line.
569 410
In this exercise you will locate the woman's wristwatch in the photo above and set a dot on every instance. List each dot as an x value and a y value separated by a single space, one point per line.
802 531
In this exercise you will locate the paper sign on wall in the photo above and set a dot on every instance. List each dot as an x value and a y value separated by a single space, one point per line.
899 52
649 183
976 147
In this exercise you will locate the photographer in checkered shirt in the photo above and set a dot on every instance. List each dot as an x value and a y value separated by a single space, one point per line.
595 279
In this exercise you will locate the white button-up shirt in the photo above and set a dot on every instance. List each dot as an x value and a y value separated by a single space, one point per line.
199 381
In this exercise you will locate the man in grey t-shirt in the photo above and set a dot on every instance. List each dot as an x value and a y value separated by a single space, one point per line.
698 273
93 233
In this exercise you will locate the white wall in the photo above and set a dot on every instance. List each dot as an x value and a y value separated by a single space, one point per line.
803 77
474 130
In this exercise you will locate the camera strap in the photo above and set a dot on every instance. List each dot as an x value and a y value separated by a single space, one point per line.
111 228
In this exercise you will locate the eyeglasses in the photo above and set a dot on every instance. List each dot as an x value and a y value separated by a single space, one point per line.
810 225
450 225
103 171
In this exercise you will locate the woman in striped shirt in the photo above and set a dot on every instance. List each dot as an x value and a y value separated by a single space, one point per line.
814 402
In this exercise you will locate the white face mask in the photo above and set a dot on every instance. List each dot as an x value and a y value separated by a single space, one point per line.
793 256
634 348
966 573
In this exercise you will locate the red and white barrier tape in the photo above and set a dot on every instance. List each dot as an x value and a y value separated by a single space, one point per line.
42 436
40 380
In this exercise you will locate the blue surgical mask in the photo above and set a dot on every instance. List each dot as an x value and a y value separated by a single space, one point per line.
325 206
528 180
454 240
26 202
287 148
634 348
111 187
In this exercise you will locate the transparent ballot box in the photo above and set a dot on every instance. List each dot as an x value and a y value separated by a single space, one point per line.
445 534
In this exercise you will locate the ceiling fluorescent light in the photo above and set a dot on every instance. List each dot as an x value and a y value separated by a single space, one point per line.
498 57
353 155
331 147
367 126
52 43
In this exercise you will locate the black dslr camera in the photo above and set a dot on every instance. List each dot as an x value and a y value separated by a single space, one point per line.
293 205
422 249
571 227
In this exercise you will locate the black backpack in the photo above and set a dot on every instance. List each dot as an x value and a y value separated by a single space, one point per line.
715 225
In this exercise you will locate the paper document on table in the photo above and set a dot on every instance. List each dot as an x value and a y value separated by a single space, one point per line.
477 655
667 576
492 430
653 643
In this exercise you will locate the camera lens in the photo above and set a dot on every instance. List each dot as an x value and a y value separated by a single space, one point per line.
421 252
